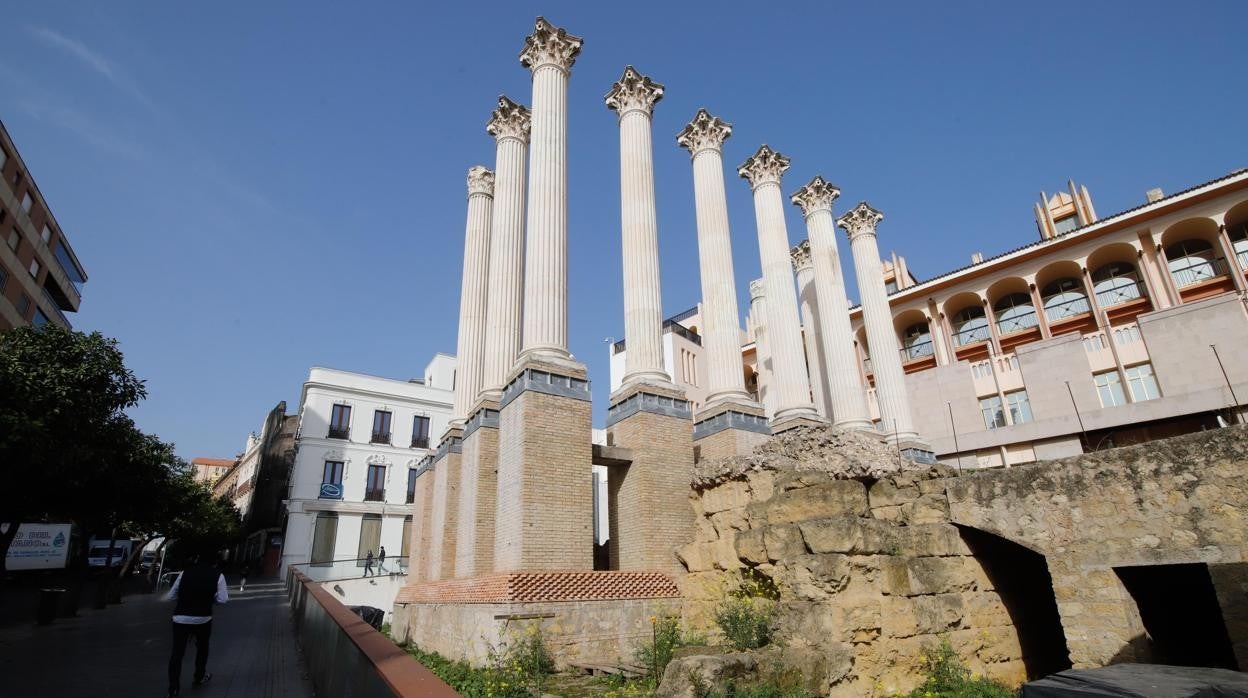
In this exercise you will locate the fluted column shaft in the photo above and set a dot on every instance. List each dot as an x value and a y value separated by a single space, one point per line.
848 396
762 347
472 299
546 249
634 96
788 365
810 333
890 378
510 126
721 340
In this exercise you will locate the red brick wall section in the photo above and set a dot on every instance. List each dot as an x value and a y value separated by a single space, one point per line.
544 586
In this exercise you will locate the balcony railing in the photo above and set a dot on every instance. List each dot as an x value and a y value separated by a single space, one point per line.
1197 269
917 351
1121 294
375 494
683 331
420 442
338 433
972 335
1242 257
1017 323
379 438
1065 309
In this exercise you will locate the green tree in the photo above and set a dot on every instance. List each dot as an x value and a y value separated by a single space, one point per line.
67 450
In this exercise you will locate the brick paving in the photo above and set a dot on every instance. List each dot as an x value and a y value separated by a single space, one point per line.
124 651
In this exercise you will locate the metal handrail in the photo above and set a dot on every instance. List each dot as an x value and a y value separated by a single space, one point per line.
1197 271
1066 309
379 438
1018 323
1121 294
971 336
338 433
375 495
917 351
420 442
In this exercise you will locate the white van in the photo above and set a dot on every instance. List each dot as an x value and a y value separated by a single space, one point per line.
98 555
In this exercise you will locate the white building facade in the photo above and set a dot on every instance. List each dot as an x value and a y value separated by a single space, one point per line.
359 443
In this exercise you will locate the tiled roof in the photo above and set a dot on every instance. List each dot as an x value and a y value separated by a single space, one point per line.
543 586
213 461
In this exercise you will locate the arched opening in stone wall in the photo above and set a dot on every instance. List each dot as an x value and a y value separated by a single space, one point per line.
1179 608
1021 579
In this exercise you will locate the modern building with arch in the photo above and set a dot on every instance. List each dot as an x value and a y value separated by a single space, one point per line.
1104 332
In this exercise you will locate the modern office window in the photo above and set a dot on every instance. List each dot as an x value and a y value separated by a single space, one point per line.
68 265
45 234
1020 406
381 427
4 158
1143 383
35 268
994 415
40 319
324 538
1109 388
375 487
14 240
4 279
23 305
340 422
420 431
370 538
27 203
406 547
331 480
411 485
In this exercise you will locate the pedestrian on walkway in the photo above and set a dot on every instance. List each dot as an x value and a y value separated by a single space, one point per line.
195 591
368 564
242 573
381 561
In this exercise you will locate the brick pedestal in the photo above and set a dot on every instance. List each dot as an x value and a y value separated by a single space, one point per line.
544 510
444 523
731 428
478 491
648 500
422 519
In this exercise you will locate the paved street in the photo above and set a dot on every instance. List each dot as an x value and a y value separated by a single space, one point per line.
123 651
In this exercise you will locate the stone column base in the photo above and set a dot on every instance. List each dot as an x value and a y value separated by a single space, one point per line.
648 499
780 426
474 552
733 428
584 617
544 507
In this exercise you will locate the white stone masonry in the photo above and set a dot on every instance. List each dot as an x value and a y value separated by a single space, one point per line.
472 299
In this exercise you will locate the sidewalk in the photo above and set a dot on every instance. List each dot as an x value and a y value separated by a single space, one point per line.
124 651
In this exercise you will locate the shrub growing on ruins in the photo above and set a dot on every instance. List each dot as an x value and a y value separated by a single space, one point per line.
665 637
948 677
747 615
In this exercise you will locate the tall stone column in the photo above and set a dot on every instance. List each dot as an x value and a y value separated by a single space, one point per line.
543 514
730 421
633 97
890 379
472 295
474 553
847 395
763 170
549 53
762 347
509 124
809 305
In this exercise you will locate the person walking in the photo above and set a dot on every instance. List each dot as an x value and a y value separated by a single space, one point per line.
381 561
368 564
194 592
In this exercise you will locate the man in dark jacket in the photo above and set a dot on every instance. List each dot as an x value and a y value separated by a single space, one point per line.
195 591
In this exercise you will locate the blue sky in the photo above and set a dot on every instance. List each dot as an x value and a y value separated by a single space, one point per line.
256 188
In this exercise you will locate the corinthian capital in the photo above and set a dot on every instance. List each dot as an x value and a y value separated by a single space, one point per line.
757 289
634 92
860 221
816 196
480 181
801 255
705 131
764 167
509 120
550 45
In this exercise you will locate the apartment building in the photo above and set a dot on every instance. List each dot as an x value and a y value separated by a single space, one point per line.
41 278
360 441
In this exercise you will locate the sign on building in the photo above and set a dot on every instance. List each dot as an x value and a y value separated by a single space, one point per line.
38 546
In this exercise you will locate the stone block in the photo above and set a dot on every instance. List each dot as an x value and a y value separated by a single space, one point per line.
835 498
814 577
887 493
848 534
922 615
750 546
783 542
928 509
940 575
732 494
697 557
931 540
